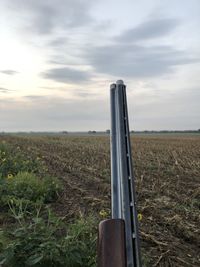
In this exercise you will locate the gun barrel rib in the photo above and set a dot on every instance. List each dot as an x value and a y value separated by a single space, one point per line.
122 180
115 188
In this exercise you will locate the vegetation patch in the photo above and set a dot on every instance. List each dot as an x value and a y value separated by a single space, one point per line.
13 160
42 241
35 236
29 188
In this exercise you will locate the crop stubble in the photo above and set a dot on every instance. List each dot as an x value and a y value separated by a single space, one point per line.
167 175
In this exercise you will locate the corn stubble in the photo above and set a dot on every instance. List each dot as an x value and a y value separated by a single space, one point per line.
167 173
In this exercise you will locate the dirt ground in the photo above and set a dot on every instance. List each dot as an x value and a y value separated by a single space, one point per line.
167 177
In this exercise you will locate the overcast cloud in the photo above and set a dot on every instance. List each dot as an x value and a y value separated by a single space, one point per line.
66 53
66 75
9 72
137 61
4 90
44 17
149 29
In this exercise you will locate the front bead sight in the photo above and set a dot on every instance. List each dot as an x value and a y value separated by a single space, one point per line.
120 82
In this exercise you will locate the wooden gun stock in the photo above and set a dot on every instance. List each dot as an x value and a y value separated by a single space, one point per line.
111 243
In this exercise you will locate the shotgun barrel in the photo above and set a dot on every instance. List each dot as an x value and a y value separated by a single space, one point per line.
122 190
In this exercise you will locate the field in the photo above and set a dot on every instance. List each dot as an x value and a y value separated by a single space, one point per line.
167 176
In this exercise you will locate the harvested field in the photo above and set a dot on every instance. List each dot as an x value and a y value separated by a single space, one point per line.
167 175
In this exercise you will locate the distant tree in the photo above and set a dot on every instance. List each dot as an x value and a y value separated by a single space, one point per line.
107 131
64 132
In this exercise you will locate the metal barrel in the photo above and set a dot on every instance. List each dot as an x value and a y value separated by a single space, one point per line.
123 192
115 186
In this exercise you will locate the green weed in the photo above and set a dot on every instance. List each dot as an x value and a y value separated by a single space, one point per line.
29 188
48 242
12 161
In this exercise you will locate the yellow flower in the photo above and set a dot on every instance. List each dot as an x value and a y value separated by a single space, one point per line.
10 176
103 213
139 216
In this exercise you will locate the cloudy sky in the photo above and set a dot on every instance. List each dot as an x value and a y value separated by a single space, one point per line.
58 58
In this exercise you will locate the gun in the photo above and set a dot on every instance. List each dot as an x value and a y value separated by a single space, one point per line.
118 238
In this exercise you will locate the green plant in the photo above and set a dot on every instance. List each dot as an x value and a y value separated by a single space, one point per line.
29 188
13 160
48 242
80 243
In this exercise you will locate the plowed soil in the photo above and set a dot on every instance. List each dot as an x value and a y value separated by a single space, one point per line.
167 178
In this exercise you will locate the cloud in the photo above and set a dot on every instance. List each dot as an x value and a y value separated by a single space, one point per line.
66 75
58 113
155 114
9 72
136 61
35 97
5 90
43 17
55 114
128 56
82 93
76 93
148 30
59 41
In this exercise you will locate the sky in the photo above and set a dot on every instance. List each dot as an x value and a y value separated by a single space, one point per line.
59 57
